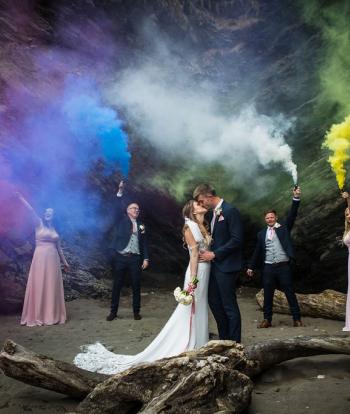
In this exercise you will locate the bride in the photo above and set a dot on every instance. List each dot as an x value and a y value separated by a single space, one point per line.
187 327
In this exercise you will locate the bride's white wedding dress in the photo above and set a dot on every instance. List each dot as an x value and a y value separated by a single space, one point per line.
185 330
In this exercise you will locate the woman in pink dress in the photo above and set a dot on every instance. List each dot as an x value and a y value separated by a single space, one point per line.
346 241
44 297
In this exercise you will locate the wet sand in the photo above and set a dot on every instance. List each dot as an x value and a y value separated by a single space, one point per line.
305 385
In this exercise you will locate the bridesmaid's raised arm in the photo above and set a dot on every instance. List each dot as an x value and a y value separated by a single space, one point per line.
346 195
30 209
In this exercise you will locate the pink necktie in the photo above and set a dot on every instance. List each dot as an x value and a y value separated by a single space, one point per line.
271 233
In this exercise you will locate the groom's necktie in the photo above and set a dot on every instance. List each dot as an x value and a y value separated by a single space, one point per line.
270 233
212 223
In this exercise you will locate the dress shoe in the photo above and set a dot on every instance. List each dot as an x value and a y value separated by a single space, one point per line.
137 316
264 324
298 324
111 316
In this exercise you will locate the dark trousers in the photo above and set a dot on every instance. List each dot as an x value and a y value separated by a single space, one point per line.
121 265
279 275
223 304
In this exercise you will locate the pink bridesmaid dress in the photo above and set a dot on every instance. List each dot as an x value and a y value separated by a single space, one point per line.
347 316
44 297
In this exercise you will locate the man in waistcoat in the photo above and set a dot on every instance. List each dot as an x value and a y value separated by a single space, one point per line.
273 253
130 253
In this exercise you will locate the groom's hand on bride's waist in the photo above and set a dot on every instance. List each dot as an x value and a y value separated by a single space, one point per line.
207 256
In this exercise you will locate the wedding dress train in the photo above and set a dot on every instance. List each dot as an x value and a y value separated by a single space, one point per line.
186 329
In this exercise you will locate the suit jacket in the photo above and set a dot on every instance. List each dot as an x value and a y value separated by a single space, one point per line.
283 234
123 231
227 239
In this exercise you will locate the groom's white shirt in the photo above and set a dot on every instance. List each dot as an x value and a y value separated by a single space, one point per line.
214 215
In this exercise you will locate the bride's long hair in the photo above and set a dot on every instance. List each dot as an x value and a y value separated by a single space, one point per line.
187 212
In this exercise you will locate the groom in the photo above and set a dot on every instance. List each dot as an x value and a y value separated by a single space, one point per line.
226 259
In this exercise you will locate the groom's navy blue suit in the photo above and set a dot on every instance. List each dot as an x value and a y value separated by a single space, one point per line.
227 247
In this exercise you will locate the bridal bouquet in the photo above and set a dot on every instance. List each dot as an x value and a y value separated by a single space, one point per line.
186 296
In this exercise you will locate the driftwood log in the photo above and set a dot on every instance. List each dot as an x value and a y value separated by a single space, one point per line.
327 304
44 372
213 379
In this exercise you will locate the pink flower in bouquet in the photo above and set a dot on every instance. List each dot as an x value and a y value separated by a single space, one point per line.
186 296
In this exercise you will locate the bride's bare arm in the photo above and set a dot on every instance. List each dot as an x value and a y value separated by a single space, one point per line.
194 256
36 218
346 195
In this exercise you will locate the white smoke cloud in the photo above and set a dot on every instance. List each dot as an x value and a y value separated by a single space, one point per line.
183 118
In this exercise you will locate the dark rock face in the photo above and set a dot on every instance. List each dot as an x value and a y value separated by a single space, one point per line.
230 39
322 257
13 268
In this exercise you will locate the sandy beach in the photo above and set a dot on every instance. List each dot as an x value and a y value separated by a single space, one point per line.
306 385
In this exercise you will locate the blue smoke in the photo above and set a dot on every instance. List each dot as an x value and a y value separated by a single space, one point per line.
96 127
61 137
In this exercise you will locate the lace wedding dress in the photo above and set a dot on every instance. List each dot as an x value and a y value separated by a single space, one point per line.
186 329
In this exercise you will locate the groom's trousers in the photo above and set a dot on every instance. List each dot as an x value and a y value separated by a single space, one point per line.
121 265
223 304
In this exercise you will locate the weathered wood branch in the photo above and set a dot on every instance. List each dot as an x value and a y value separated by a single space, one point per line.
272 352
214 378
182 384
207 380
327 304
44 372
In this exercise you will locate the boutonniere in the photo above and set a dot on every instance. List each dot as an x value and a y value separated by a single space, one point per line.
218 212
142 228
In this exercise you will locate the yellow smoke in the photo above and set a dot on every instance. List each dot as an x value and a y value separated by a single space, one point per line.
337 140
